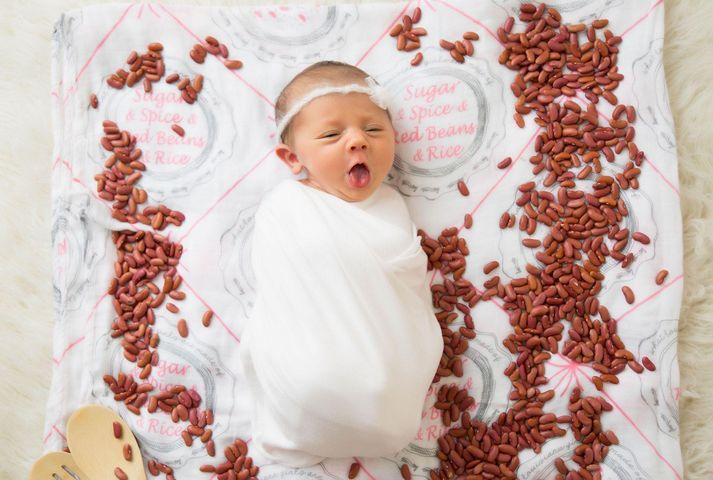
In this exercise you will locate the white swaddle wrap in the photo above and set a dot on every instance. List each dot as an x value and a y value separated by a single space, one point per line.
342 343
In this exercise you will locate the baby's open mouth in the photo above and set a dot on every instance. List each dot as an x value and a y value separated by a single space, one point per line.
359 176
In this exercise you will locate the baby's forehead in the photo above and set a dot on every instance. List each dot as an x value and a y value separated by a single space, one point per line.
328 101
337 105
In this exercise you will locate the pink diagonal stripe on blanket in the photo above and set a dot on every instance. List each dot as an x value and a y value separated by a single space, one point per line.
665 179
570 375
560 371
54 427
478 22
388 29
564 377
636 427
257 92
73 88
227 192
363 467
569 363
69 347
571 368
633 25
427 3
49 434
79 340
650 297
153 11
215 314
94 308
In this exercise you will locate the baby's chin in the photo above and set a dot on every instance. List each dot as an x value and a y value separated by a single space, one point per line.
350 194
361 196
343 190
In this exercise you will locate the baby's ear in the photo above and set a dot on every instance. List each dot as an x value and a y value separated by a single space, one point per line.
289 157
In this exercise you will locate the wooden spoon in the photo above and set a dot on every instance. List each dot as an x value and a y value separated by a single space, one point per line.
57 466
90 437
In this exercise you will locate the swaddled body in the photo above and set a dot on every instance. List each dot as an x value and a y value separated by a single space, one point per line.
342 343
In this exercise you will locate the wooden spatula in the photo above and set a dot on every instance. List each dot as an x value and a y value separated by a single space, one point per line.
57 466
94 447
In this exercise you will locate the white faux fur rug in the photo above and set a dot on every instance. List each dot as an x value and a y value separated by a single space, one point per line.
26 293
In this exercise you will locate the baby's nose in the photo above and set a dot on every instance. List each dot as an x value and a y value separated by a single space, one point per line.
357 142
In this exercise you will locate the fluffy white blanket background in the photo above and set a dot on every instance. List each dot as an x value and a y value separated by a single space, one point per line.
25 289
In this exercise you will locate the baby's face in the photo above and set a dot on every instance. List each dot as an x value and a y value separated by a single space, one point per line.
334 132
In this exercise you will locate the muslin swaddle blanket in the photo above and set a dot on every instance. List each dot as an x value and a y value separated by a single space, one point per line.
457 124
342 344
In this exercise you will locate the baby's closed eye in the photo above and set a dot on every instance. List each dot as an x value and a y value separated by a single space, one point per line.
335 133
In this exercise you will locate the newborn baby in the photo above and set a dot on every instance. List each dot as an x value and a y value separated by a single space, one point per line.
342 343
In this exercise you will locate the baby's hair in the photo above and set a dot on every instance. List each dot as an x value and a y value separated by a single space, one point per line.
329 72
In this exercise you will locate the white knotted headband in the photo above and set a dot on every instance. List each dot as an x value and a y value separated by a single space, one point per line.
377 93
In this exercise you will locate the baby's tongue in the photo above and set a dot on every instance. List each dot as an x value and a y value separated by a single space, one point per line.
359 176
